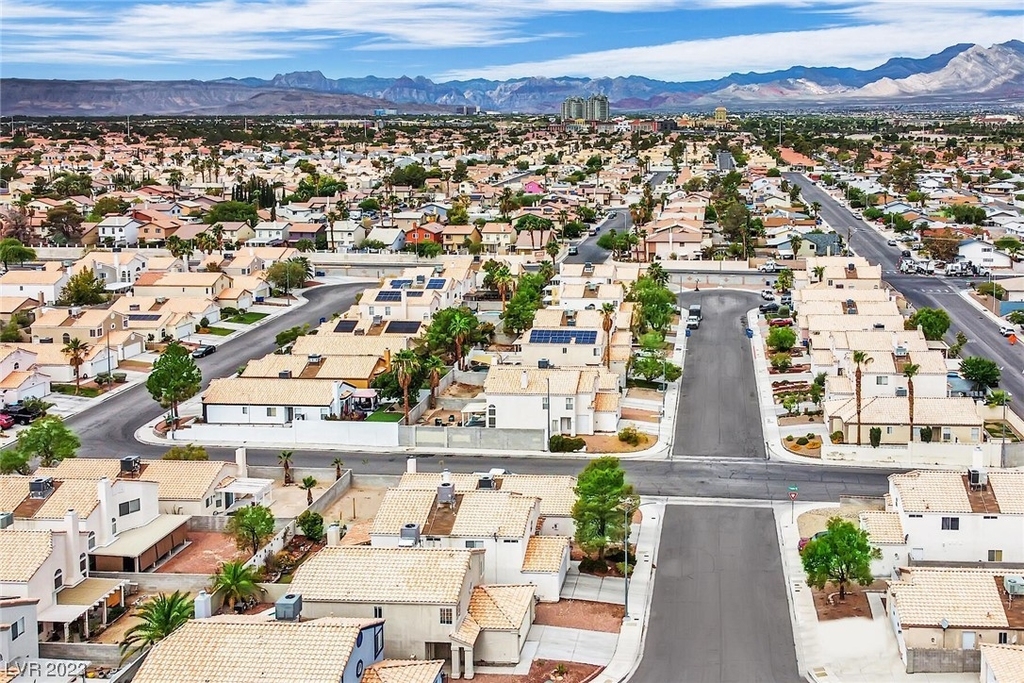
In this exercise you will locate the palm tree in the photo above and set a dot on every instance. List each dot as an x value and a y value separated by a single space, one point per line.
795 242
306 266
307 485
434 366
218 234
999 397
607 320
285 458
405 364
460 327
816 207
179 248
657 272
159 618
338 464
75 350
236 581
860 358
206 243
819 273
909 371
174 179
506 203
504 283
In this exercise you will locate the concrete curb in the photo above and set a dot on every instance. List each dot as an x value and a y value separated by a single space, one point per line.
965 294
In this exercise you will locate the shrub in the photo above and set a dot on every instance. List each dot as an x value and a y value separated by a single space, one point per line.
588 565
204 323
811 435
621 566
782 361
782 338
311 524
630 435
837 436
993 289
189 452
783 312
789 438
227 312
618 555
565 444
875 435
926 434
802 441
120 377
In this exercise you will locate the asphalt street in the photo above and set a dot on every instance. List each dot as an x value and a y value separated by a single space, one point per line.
718 412
719 612
927 291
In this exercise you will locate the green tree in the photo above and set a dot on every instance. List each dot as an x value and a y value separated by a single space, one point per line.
982 371
657 272
405 364
187 452
158 618
252 526
285 275
369 204
13 461
307 485
49 440
231 212
64 224
107 206
782 338
840 556
175 377
601 491
236 581
75 350
656 304
934 322
13 251
311 524
10 332
785 280
83 289
305 245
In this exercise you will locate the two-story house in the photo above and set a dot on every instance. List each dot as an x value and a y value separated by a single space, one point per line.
271 233
42 285
563 339
20 377
497 238
118 231
557 400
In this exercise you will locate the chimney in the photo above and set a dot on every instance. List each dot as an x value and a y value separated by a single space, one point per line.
107 511
410 465
524 380
72 531
241 463
334 535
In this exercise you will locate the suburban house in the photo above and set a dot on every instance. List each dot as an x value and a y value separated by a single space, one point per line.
278 401
305 231
497 238
503 523
392 238
432 600
20 378
17 308
271 232
61 325
19 638
983 254
456 237
250 648
1001 663
114 267
427 232
557 400
357 371
199 285
42 285
54 364
576 297
347 234
683 242
563 339
954 610
118 231
138 308
951 420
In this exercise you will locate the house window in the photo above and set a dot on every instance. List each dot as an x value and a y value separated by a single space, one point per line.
83 563
565 349
378 612
975 433
92 540
272 412
371 310
990 517
128 507
378 642
1003 638
995 555
446 615
387 311
492 416
568 403
474 544
951 524
18 627
113 527
544 403
58 579
917 516
245 410
888 430
510 540
881 380
947 434
66 338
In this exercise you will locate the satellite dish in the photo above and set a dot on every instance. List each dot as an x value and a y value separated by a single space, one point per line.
944 624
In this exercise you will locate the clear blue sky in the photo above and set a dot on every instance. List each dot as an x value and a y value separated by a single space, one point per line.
440 39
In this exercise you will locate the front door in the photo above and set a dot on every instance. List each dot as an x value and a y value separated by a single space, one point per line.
289 414
968 640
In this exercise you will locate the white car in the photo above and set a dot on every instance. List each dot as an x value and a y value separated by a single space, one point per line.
768 295
1007 330
768 267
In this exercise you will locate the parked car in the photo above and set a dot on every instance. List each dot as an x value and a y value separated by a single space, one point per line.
204 351
23 414
770 307
781 322
573 250
804 541
768 267
6 421
768 294
892 243
906 253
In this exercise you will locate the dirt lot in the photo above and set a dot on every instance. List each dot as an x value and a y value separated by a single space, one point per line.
290 501
609 443
540 672
591 616
813 521
640 415
644 394
206 552
800 420
142 366
459 390
855 605
364 501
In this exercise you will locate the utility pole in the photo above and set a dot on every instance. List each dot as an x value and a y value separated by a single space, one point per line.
128 122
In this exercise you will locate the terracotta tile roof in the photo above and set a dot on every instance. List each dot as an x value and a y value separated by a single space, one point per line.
606 402
403 506
22 552
485 513
895 410
884 528
348 345
384 575
1005 662
177 479
508 380
544 554
556 492
967 598
467 631
269 391
79 495
499 607
1008 487
83 468
13 490
403 671
236 651
931 491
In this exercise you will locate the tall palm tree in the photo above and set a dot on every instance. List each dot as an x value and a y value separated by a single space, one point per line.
460 327
434 367
218 234
206 243
75 350
999 397
236 581
909 371
338 464
160 617
174 179
795 242
307 485
657 272
860 359
506 203
607 320
285 458
405 364
819 273
504 283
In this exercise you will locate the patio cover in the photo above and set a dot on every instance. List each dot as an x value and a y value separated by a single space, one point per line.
474 408
63 614
365 393
134 542
247 486
89 592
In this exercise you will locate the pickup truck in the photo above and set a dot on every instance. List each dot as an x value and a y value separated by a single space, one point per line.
22 414
768 267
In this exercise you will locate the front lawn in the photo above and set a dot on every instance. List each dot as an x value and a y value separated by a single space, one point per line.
383 415
247 318
219 331
69 390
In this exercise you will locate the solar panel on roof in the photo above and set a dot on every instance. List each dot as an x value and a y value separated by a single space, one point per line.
389 295
402 327
563 336
435 283
143 317
415 293
398 284
346 325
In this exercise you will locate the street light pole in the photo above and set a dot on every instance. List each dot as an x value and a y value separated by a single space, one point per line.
109 375
547 427
625 557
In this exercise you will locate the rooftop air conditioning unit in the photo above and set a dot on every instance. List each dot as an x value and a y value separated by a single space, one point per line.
446 493
409 536
378 320
6 519
879 326
161 299
288 607
314 359
131 464
133 307
486 482
46 340
851 266
229 254
420 279
901 392
977 478
284 374
1014 585
543 364
40 487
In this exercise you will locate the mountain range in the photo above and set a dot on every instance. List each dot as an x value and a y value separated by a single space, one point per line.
961 74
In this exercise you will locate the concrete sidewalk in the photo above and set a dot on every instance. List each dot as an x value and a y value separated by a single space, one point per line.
594 588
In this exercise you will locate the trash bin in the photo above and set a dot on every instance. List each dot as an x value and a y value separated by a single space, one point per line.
750 333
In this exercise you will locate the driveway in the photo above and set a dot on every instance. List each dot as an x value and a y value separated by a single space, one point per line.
719 612
718 414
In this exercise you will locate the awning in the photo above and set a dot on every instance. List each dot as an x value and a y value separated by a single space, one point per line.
473 408
63 614
118 286
365 393
134 542
90 592
247 487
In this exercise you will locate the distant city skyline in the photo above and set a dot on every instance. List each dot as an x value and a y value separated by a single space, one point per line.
461 39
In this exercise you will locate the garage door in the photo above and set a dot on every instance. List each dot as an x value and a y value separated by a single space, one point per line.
132 350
